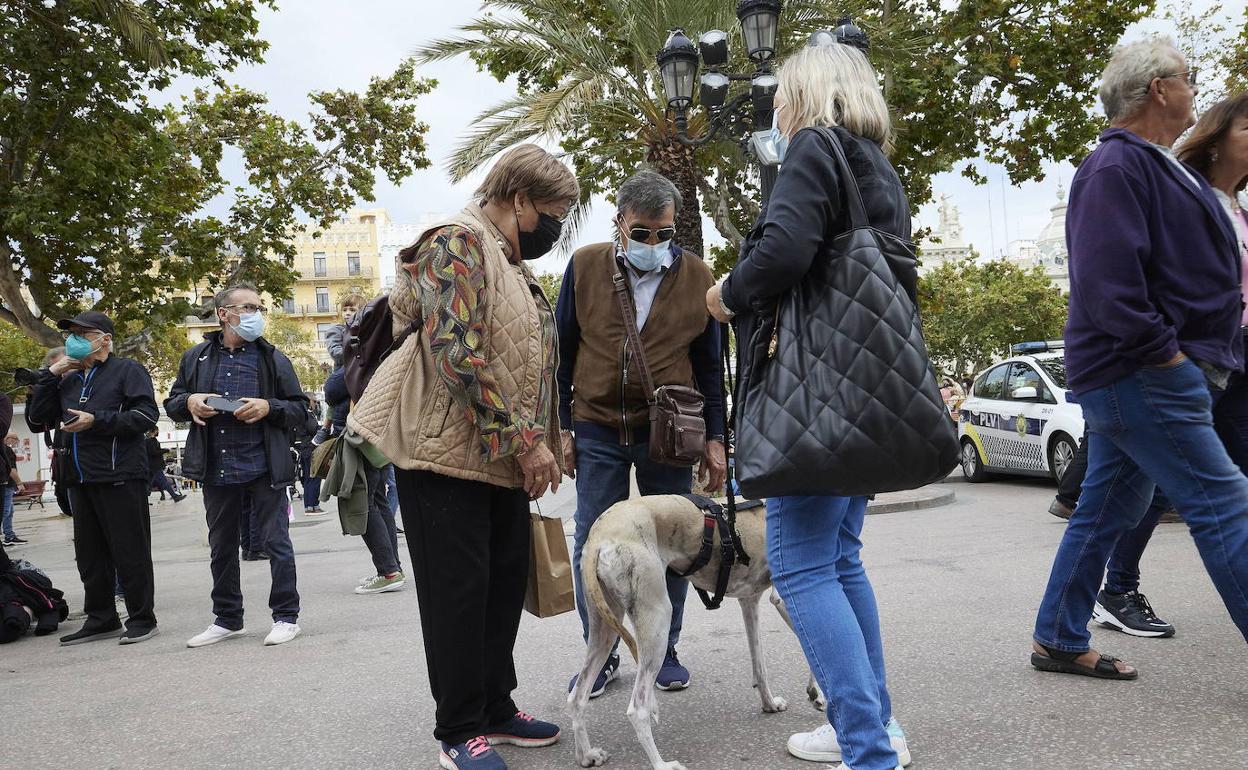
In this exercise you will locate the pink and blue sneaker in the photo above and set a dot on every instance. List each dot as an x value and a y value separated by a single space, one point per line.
473 754
524 731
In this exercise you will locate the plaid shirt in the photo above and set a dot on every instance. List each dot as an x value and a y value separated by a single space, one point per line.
236 451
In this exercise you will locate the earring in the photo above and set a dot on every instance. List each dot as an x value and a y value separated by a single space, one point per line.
1213 155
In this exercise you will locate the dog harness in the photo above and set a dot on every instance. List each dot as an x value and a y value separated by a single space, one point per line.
724 519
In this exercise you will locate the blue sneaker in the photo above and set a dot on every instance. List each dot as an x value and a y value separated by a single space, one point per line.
524 731
475 754
610 670
672 676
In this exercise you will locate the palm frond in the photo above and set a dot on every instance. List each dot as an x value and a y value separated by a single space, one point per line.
136 28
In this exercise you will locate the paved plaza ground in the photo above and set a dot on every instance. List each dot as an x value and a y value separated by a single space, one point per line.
958 586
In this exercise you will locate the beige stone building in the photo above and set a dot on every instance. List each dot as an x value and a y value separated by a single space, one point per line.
342 259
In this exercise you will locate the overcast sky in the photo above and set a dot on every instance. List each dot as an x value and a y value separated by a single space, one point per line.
328 44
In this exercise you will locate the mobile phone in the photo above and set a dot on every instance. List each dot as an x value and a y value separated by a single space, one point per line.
69 419
224 404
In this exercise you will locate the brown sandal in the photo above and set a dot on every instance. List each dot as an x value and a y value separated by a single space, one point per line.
1062 662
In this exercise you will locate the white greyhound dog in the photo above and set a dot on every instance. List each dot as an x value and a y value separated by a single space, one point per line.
623 567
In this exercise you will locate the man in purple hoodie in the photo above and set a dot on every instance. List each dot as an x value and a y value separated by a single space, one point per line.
1154 334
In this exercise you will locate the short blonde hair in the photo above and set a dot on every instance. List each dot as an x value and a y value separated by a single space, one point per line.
529 169
834 85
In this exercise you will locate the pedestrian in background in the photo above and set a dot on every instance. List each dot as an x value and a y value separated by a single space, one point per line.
241 452
156 461
58 442
105 405
302 441
336 336
1153 340
10 482
813 542
466 411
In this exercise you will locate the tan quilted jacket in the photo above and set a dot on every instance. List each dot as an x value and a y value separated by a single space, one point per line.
407 411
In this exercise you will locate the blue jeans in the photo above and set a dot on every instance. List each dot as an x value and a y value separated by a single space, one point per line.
1122 574
812 547
602 470
1155 424
392 491
311 484
6 524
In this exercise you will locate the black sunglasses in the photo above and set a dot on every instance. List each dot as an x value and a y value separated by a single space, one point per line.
644 234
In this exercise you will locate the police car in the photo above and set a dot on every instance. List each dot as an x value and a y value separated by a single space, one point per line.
1018 417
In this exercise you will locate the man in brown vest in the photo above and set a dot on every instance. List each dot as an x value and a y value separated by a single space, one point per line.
601 396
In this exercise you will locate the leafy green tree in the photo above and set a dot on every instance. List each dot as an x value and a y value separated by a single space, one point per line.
16 349
550 286
973 312
104 188
299 346
1010 81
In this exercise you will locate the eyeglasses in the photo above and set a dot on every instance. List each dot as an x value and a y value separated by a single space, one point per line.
644 234
247 308
1189 75
67 335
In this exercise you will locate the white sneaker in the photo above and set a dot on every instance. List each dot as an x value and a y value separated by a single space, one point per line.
820 745
213 635
282 633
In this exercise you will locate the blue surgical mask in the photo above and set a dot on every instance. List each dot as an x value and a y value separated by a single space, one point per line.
250 326
778 138
645 257
78 347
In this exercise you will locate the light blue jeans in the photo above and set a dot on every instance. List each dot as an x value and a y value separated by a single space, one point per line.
813 549
7 524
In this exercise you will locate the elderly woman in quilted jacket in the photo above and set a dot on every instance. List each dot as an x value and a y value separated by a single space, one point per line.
466 411
813 542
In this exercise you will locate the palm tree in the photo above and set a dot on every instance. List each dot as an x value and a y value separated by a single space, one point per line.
135 27
602 97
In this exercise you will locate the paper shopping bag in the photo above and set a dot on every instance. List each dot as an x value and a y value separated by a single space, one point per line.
550 589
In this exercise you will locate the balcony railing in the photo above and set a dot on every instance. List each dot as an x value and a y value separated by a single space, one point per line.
338 274
305 310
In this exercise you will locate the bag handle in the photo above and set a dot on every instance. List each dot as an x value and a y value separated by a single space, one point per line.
634 339
857 209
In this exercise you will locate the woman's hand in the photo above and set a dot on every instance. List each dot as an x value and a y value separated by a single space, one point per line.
715 306
541 470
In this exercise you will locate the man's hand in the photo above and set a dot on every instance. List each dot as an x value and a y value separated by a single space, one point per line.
541 470
714 469
714 307
64 365
569 452
199 410
84 422
254 410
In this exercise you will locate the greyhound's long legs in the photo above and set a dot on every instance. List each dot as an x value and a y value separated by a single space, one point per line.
813 692
749 613
601 639
652 618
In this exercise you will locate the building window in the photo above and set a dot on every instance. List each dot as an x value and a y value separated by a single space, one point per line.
353 263
318 264
288 305
322 330
322 299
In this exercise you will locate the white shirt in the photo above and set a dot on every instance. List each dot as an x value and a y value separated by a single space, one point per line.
1187 172
645 286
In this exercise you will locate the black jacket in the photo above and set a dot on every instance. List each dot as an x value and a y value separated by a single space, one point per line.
28 588
118 392
807 207
288 407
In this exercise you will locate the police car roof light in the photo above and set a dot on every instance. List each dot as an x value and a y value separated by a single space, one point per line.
1019 348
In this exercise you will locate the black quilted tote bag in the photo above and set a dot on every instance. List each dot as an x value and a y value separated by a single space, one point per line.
841 398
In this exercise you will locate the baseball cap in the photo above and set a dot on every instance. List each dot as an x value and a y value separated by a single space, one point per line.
90 319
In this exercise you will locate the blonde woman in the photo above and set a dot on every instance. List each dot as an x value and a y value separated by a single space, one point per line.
813 541
466 411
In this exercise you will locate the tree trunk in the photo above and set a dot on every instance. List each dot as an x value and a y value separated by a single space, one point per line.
675 161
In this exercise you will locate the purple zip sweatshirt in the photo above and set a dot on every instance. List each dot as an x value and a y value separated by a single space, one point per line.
1154 266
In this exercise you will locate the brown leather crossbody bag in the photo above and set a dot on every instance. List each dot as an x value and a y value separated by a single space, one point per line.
677 428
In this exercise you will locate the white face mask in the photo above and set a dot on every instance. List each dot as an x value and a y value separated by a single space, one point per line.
778 138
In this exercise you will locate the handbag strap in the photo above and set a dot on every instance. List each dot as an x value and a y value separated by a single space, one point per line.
634 339
857 209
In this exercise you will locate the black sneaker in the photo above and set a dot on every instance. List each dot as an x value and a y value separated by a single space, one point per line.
15 540
610 670
1129 613
136 635
108 631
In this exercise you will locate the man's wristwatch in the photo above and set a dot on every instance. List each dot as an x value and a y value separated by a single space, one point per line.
723 307
719 438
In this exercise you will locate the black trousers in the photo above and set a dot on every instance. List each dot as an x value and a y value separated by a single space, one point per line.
1071 485
113 543
469 546
382 535
224 504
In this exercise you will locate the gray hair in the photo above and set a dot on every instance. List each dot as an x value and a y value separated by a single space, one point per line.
223 297
1131 71
647 194
52 355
